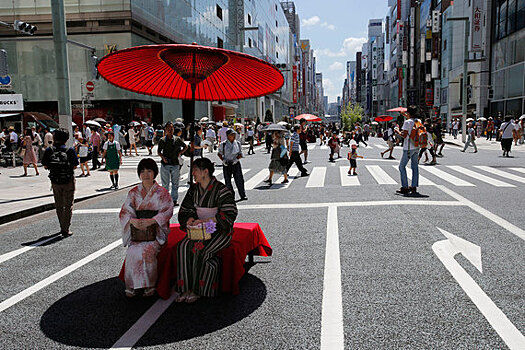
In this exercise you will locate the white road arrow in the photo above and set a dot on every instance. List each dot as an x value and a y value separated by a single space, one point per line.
445 251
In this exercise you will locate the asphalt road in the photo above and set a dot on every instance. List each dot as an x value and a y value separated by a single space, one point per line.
395 291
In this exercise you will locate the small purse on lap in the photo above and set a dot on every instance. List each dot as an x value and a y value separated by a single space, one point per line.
150 233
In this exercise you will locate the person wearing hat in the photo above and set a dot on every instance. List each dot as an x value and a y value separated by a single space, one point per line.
113 156
230 152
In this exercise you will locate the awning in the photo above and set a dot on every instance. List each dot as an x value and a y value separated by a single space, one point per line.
2 115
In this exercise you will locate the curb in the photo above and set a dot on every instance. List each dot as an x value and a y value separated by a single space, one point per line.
4 219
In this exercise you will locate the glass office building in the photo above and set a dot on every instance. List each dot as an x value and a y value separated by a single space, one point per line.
508 58
117 24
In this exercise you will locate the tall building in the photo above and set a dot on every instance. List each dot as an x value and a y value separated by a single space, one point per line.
507 49
117 24
319 94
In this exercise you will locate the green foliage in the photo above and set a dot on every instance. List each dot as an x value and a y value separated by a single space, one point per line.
350 115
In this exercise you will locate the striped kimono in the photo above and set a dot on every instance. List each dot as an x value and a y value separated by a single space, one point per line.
198 267
141 257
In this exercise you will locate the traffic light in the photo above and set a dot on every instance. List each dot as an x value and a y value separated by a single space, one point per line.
24 27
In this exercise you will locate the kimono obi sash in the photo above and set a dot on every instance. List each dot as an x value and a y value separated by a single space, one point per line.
150 233
206 213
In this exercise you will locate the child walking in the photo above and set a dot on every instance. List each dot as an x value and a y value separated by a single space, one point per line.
83 155
352 157
113 156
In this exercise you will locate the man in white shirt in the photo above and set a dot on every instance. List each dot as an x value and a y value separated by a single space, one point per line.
222 132
13 139
507 132
210 136
471 137
410 152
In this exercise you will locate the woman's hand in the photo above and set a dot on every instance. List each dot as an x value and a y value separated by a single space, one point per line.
190 222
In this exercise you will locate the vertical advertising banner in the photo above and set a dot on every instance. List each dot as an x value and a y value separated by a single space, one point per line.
294 83
476 26
398 10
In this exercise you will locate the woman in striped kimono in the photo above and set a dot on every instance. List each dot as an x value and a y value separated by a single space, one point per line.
208 201
148 205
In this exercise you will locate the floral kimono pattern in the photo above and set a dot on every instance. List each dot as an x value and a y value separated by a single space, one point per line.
198 267
141 257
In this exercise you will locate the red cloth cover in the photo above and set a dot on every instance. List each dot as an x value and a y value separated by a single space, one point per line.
246 237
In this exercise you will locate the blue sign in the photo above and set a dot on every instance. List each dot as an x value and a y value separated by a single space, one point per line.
5 80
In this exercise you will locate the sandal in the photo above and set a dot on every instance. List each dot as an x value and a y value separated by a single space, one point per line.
192 298
130 293
182 298
148 292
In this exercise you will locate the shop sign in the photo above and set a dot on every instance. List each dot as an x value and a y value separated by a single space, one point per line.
294 83
11 102
478 13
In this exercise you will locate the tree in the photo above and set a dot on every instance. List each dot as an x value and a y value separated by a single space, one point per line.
350 115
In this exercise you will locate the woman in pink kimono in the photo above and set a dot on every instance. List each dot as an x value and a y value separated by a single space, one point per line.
145 218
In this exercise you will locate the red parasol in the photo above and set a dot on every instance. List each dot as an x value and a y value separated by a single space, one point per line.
190 72
308 118
397 109
383 118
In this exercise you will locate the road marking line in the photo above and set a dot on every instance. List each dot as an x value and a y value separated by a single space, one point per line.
137 331
316 178
445 251
347 180
501 173
520 170
311 147
479 176
332 331
380 146
317 205
323 147
484 212
56 276
380 175
423 181
292 174
10 255
255 180
456 181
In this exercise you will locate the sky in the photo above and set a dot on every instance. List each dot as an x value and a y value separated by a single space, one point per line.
337 29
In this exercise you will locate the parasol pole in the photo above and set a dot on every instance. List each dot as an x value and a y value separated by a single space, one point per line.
192 123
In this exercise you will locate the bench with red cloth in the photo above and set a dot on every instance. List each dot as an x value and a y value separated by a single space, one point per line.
248 240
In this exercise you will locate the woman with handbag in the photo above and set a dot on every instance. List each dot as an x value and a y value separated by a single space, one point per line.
278 158
207 214
145 219
29 152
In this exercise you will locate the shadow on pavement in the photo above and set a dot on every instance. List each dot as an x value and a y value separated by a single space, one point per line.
97 315
54 238
3 201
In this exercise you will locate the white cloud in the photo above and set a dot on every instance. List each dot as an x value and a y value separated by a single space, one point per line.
328 85
350 46
312 21
336 66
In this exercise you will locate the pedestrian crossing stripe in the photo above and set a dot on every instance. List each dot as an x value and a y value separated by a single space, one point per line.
311 147
480 177
316 178
423 181
346 179
381 177
454 180
501 173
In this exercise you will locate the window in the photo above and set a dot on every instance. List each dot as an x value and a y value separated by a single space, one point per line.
276 38
219 12
220 43
445 45
276 24
277 54
249 19
249 42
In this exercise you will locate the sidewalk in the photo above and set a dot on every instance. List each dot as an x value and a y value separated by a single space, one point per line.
25 196
482 143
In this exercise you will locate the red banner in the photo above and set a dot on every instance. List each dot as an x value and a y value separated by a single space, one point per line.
294 83
398 10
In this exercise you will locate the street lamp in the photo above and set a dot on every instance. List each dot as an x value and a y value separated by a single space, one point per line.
464 86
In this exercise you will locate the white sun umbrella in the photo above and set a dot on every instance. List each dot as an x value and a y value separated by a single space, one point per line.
470 119
204 119
482 119
283 123
134 123
375 123
522 117
239 124
93 123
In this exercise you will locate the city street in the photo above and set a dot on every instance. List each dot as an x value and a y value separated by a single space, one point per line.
354 265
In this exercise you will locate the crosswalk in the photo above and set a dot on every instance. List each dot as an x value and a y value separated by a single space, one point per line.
385 174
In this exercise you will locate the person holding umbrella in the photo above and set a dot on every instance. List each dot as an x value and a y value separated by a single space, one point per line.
230 152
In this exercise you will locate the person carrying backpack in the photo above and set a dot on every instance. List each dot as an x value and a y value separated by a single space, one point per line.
410 133
61 163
